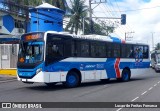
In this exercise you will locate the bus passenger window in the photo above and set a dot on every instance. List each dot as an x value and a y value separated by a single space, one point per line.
84 49
57 50
145 52
116 50
138 52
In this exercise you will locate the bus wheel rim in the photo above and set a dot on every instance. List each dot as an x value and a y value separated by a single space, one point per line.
72 79
125 77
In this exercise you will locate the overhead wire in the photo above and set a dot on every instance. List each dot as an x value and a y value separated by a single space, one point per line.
126 27
118 14
119 10
111 14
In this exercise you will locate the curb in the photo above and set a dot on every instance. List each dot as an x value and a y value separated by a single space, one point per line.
9 72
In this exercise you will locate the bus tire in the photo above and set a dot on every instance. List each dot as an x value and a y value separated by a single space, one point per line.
51 84
125 75
72 80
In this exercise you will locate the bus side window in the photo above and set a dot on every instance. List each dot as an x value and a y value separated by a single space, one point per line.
76 48
84 49
138 52
116 50
102 50
57 50
145 52
93 49
109 49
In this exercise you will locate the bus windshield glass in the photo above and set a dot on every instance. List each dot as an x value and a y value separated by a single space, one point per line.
31 48
31 52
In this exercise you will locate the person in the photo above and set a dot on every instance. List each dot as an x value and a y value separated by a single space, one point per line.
136 53
131 53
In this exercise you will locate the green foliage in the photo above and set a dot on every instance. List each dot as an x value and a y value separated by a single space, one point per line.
78 11
157 46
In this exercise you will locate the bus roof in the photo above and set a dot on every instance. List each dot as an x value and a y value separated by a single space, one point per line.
95 37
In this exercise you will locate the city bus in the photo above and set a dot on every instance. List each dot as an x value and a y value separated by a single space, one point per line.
56 57
155 60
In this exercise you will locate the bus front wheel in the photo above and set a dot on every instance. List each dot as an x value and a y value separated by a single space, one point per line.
72 80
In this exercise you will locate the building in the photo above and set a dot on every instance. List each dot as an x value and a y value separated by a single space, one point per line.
14 23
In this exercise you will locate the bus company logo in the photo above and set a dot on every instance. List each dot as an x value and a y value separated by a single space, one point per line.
90 66
6 105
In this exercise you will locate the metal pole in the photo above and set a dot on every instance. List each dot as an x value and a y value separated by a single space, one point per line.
83 25
152 40
1 55
90 16
127 35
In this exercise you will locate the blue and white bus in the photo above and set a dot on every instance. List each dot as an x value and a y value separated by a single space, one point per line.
51 57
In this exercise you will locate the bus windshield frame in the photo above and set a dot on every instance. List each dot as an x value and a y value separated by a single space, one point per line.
31 50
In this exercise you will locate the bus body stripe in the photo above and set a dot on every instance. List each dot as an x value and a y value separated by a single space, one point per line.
116 66
123 41
110 69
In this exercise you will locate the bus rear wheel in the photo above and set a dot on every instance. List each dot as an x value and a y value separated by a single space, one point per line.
125 75
72 80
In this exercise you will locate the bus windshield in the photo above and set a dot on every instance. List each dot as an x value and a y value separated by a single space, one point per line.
31 52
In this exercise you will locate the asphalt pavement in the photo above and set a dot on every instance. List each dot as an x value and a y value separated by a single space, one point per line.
141 88
7 78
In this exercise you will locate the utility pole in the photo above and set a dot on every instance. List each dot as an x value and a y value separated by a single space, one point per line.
152 39
90 16
126 33
91 10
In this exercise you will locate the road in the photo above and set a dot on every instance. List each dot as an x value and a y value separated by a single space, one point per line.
141 88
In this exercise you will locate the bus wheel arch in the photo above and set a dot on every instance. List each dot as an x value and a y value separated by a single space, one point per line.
73 78
126 74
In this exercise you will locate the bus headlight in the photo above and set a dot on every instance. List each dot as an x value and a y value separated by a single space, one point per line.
38 70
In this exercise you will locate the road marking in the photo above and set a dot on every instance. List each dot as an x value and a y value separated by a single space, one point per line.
150 88
134 99
119 109
144 92
155 85
158 82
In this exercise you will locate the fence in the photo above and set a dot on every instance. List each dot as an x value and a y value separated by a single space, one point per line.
8 56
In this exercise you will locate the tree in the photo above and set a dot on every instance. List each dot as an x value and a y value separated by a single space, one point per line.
78 11
62 4
157 46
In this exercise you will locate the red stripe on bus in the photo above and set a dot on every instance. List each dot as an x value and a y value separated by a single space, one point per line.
123 41
116 66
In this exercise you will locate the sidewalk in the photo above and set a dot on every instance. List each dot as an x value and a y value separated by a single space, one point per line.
7 78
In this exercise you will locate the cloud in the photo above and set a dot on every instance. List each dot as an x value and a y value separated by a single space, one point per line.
142 22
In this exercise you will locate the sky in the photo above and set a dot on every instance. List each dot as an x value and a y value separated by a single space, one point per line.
143 18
